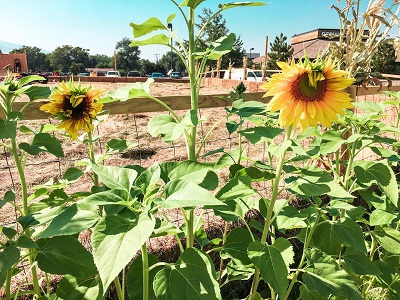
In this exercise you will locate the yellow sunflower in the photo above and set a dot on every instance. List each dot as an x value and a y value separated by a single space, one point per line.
307 93
76 106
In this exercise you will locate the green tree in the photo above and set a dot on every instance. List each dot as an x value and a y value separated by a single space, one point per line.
100 61
177 64
212 32
37 60
280 51
63 57
147 67
384 59
127 57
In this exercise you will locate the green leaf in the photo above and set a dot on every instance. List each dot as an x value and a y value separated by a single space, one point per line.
65 255
158 39
324 277
187 194
8 129
271 264
116 241
8 232
238 197
130 91
221 46
240 4
359 263
260 134
325 239
147 27
315 181
306 294
8 197
118 145
235 246
368 172
115 177
290 218
350 233
43 142
286 249
73 174
331 142
191 3
37 92
166 127
134 279
148 179
382 217
74 219
238 187
41 217
388 238
192 277
118 197
70 288
8 257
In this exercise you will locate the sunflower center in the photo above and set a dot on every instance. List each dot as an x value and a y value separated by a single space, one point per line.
78 112
305 90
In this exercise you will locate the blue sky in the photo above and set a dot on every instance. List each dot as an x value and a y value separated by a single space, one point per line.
99 24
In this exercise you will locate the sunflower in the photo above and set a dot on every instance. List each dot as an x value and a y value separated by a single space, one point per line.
307 93
76 106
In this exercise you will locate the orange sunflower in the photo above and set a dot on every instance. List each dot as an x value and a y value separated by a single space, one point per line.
308 93
76 106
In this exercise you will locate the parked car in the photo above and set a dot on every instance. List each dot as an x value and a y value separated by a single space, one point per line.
157 75
83 74
133 74
175 75
113 74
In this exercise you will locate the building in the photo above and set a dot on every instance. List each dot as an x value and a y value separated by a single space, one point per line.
315 41
16 63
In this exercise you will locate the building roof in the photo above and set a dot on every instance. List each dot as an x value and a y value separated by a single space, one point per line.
10 60
311 48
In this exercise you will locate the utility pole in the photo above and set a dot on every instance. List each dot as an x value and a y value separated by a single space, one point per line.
156 55
170 28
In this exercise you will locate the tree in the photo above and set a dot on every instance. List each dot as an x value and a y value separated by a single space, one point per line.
37 60
280 51
147 67
63 57
177 63
101 61
127 57
212 32
384 59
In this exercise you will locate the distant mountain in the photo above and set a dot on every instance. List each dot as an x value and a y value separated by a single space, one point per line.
6 47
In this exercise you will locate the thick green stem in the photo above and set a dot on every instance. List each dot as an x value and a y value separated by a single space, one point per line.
120 292
145 270
92 157
268 218
190 230
303 257
8 285
25 211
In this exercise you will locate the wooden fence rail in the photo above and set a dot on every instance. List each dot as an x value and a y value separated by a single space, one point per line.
142 105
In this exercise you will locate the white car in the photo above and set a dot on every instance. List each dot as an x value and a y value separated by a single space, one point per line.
113 74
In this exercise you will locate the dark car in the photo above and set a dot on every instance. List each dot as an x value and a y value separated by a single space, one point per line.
133 74
175 75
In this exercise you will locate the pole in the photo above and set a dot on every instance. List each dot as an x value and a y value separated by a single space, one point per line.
115 61
170 28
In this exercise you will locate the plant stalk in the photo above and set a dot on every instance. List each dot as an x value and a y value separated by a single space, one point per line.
268 219
145 270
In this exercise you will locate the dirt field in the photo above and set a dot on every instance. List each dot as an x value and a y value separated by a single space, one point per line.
44 167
